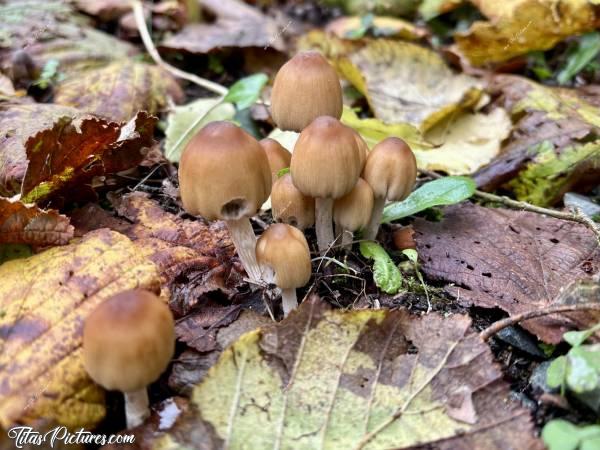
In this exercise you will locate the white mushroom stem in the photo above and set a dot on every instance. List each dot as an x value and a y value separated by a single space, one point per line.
288 300
323 222
370 232
244 239
136 407
347 238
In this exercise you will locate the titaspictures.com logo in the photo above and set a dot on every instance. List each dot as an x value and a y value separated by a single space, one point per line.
23 436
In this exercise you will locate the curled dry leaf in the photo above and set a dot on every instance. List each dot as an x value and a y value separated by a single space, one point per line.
28 224
514 260
554 147
237 25
509 32
372 379
44 301
119 90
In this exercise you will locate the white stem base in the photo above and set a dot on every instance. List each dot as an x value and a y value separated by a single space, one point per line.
347 238
370 232
288 300
324 223
244 240
136 407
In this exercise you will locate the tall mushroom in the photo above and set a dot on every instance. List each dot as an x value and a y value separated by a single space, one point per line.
291 206
284 256
391 170
305 88
224 174
326 164
352 212
128 342
279 157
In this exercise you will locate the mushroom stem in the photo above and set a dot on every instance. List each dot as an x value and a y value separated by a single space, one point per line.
288 300
323 222
373 227
136 407
244 239
347 238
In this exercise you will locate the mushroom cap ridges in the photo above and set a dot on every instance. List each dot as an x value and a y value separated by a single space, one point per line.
224 173
285 251
353 210
128 341
279 157
326 162
291 206
391 169
305 87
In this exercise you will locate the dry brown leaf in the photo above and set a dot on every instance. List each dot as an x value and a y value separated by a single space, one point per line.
104 10
514 260
44 301
28 224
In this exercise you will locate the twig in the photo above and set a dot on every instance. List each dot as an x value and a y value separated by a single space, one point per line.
577 216
509 321
140 20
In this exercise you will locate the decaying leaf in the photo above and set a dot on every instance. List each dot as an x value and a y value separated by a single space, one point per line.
433 8
44 301
237 26
554 148
372 379
119 90
72 152
28 224
344 27
514 260
509 32
105 10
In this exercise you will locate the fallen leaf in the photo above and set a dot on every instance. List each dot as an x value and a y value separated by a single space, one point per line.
343 27
28 224
45 300
554 147
373 379
433 8
105 10
514 260
237 25
72 152
510 33
199 330
361 7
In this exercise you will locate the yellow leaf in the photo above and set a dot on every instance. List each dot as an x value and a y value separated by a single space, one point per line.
44 301
389 26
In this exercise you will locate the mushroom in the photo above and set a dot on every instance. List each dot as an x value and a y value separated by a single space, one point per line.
352 212
391 170
224 174
305 88
291 206
326 164
128 342
284 256
279 157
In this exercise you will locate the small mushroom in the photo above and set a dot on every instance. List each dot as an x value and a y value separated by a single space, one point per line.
326 164
391 170
224 174
305 88
284 256
291 206
279 158
128 342
352 212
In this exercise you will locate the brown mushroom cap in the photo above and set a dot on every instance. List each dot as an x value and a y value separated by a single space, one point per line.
305 88
279 157
353 211
128 341
284 250
391 169
291 206
326 162
224 173
363 146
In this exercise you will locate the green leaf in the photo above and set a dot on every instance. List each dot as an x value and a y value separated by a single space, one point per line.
246 91
283 171
444 191
557 372
411 254
386 274
582 370
186 120
560 435
576 338
587 50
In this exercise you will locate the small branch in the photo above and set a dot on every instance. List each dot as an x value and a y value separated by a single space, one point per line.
577 216
140 20
509 321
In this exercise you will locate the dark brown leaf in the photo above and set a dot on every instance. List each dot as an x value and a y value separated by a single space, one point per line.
514 260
